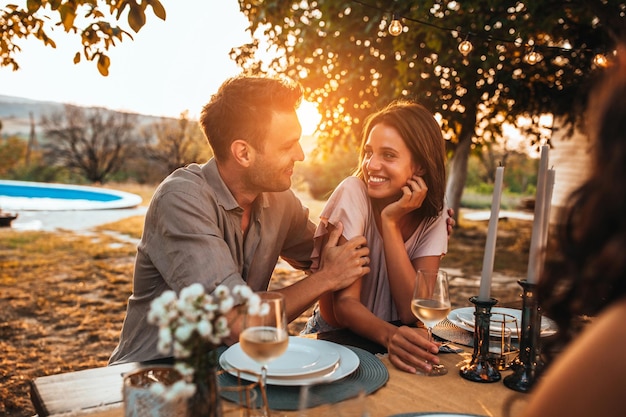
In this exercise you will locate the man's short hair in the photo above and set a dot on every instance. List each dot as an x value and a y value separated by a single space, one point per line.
242 109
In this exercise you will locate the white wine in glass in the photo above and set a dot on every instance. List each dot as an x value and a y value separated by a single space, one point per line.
265 336
431 304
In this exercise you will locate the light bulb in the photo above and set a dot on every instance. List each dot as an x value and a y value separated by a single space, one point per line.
533 57
395 28
600 60
465 47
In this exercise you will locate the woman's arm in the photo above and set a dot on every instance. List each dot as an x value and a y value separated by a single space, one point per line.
401 270
409 348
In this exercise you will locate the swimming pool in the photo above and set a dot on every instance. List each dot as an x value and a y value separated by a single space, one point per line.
27 195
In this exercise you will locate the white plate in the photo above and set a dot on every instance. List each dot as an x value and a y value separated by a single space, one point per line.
464 318
348 363
302 357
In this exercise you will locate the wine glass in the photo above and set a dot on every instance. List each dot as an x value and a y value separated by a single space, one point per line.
431 304
265 336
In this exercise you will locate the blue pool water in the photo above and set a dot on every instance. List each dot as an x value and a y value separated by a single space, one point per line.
34 191
24 195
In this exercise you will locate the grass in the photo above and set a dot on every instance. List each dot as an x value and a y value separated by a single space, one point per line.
64 294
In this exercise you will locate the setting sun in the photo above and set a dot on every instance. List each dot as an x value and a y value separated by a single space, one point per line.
309 117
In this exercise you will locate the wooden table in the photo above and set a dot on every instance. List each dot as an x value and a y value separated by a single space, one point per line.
75 393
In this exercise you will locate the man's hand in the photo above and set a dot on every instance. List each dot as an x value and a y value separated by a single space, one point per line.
450 222
344 263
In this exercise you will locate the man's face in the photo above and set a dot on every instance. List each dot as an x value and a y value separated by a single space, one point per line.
272 168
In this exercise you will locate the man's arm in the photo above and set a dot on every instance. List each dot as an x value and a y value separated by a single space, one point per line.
340 266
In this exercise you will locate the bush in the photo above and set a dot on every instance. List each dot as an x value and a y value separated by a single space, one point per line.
322 175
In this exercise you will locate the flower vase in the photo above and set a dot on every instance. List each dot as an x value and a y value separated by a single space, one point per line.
139 398
205 402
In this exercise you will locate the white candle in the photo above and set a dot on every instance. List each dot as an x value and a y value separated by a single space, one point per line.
534 263
490 245
547 204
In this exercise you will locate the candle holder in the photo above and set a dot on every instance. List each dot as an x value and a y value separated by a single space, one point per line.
529 363
480 368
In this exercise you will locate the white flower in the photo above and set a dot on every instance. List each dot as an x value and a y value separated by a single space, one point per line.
193 291
243 291
226 305
221 291
183 333
168 296
185 370
179 389
180 350
204 328
193 323
157 388
254 303
264 310
164 344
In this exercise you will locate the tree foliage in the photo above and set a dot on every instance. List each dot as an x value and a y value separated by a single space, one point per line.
88 19
12 151
94 141
350 65
172 144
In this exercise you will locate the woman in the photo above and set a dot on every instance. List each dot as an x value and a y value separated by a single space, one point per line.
396 200
589 278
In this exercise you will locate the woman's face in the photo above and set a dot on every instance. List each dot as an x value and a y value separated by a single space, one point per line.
387 164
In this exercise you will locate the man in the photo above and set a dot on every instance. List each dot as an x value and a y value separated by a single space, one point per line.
227 221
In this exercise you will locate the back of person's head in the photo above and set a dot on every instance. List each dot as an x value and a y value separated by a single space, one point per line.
588 272
422 135
242 109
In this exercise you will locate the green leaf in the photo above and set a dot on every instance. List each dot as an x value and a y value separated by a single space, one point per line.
103 64
136 17
158 8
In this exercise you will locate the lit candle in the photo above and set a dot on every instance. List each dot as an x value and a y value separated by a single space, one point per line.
490 246
534 264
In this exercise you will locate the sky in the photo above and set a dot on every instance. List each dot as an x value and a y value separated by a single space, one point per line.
170 66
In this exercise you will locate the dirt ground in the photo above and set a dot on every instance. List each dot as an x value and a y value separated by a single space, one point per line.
63 295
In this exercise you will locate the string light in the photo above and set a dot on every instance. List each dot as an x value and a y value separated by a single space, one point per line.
533 57
600 60
395 28
465 47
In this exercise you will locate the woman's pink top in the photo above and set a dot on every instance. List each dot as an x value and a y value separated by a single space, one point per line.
351 205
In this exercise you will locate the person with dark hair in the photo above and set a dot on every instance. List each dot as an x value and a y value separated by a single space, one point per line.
229 220
396 200
588 275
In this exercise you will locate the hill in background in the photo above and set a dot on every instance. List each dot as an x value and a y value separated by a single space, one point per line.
15 113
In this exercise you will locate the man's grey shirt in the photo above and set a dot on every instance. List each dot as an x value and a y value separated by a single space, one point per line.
192 233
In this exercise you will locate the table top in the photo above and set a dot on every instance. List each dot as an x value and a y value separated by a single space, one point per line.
97 392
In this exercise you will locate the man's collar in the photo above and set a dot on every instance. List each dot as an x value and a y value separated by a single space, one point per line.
224 197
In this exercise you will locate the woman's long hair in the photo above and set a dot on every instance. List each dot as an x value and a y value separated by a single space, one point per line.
589 270
422 135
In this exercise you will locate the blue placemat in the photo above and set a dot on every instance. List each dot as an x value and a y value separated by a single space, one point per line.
368 377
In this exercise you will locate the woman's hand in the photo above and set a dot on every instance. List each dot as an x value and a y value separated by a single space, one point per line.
410 351
413 196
